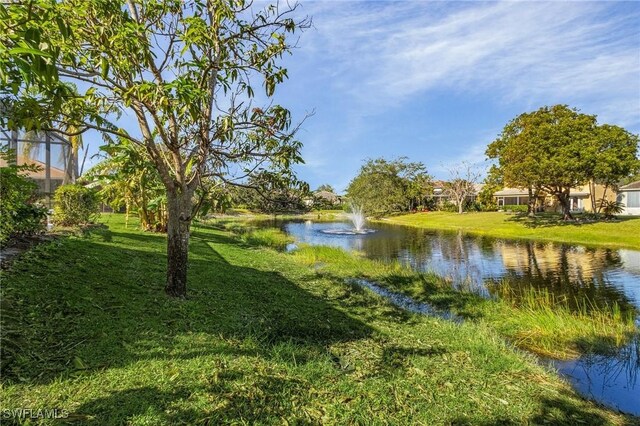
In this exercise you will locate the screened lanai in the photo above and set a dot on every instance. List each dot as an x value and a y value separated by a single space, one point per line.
56 160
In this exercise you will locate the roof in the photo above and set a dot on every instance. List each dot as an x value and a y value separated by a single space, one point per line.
517 192
632 186
56 173
438 184
512 192
327 195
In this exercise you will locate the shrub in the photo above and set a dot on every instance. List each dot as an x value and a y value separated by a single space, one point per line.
30 219
74 205
17 214
611 208
516 208
430 204
448 206
472 206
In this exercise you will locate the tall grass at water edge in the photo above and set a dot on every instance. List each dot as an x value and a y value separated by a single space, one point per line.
534 320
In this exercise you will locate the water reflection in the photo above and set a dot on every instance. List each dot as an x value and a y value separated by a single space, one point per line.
610 379
604 276
576 273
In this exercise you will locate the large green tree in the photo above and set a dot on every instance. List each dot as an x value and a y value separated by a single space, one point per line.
518 158
384 186
187 72
557 148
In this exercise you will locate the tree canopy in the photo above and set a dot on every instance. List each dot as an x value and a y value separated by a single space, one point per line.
558 148
384 186
187 72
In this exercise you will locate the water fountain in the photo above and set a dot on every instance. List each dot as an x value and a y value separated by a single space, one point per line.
358 219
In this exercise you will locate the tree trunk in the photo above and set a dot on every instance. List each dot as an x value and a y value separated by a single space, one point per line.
461 206
592 196
179 207
603 200
531 205
565 202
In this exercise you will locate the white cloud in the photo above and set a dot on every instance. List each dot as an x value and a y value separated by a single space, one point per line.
381 54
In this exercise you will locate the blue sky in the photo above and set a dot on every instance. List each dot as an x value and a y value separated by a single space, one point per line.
437 81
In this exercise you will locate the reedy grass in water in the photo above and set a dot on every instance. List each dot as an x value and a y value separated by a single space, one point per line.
268 237
546 322
253 235
535 320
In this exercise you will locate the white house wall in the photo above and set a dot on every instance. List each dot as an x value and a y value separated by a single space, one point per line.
622 197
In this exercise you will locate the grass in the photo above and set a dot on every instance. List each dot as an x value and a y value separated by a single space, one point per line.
247 232
267 237
545 227
262 339
245 214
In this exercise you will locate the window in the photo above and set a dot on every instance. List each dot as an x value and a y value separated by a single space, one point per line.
633 199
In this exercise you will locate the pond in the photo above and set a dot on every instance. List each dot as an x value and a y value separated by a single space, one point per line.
483 264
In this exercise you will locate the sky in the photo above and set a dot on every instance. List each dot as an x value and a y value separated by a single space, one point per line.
437 81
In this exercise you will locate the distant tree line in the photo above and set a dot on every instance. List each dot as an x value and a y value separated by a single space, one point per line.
548 151
557 148
384 186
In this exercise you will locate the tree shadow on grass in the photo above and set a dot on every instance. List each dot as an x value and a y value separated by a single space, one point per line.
267 400
542 220
79 322
547 220
114 312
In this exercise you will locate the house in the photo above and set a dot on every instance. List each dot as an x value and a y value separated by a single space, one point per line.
629 196
513 197
323 198
580 198
328 197
440 194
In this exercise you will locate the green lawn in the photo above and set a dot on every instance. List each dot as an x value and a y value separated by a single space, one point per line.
546 227
263 338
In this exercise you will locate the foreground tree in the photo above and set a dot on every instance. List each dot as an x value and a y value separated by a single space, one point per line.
558 148
186 72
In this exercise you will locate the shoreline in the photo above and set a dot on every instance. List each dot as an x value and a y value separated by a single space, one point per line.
596 234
